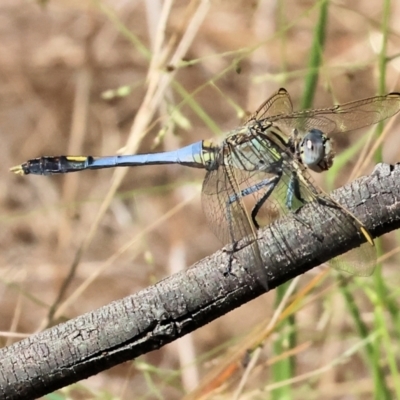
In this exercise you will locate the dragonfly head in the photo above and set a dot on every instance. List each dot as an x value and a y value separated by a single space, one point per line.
316 151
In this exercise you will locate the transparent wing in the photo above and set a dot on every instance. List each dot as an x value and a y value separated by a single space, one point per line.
341 118
231 192
358 261
278 104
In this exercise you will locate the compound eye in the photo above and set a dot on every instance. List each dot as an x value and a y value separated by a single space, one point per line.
313 149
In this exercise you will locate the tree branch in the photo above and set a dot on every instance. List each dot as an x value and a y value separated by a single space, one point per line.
181 303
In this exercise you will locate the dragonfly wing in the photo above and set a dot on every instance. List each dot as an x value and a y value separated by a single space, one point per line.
304 123
342 118
228 216
278 104
358 261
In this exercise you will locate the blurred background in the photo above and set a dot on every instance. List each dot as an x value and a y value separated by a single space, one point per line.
98 77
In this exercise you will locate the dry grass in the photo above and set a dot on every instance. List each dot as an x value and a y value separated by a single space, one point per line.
57 65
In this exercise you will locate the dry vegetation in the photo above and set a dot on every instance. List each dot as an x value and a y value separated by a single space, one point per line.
58 64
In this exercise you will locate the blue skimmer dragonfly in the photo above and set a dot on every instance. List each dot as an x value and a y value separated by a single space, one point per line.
259 171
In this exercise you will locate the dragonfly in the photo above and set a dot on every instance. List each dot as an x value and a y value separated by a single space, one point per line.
259 172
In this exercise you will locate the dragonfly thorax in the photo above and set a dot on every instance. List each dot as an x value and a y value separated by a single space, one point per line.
316 151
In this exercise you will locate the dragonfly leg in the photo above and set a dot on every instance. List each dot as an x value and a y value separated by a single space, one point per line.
256 209
274 169
293 191
228 270
270 183
292 194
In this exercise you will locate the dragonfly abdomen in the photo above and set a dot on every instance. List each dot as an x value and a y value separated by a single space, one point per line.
53 165
197 155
